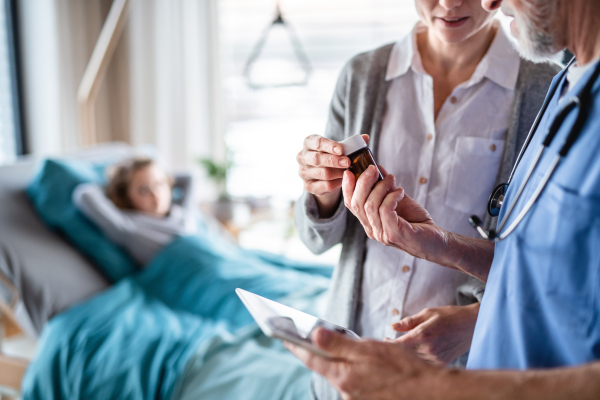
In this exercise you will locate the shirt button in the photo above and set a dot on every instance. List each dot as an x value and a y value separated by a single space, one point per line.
493 147
406 268
429 137
395 312
453 100
422 180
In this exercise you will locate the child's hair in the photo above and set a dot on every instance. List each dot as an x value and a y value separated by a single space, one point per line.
120 179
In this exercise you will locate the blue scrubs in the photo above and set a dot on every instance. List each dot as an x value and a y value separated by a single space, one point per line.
542 301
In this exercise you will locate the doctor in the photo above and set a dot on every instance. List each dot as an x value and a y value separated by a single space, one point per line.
539 321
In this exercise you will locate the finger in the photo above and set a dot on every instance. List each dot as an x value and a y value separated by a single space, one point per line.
322 159
408 323
374 201
389 218
348 185
320 174
319 143
409 341
364 186
409 210
339 347
366 183
311 360
366 138
322 187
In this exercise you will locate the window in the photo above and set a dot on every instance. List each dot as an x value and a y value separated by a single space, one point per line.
11 140
266 126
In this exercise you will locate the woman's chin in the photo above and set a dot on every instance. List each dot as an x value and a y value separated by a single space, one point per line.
452 37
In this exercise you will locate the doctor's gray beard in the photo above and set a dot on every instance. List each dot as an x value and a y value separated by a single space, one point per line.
534 23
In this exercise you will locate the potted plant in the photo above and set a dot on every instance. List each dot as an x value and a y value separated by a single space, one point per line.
217 172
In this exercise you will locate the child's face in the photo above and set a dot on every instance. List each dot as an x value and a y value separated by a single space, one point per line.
150 192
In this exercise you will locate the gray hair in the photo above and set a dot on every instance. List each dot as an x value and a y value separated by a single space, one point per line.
535 23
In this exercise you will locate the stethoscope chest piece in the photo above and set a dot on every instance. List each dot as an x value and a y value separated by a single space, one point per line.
496 199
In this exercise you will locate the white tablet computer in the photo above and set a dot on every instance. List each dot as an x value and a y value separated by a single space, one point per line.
286 323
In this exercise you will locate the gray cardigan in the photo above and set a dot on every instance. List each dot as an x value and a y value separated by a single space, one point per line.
358 106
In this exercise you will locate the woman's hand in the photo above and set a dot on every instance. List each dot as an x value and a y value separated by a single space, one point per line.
441 334
322 166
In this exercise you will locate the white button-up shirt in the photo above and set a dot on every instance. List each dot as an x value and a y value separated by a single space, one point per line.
448 165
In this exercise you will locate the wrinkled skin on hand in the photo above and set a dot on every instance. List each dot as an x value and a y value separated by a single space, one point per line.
391 217
367 369
439 335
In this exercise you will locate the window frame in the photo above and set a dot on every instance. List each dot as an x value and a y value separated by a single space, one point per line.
14 58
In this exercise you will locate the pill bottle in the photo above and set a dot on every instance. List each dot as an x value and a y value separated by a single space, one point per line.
355 148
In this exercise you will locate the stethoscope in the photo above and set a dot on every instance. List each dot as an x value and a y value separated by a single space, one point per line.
496 200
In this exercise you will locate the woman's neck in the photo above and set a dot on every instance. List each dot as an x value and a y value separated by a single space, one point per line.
450 64
448 58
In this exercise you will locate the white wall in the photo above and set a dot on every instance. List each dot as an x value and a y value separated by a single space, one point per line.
174 82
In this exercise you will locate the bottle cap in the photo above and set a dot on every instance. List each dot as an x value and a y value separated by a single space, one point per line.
352 144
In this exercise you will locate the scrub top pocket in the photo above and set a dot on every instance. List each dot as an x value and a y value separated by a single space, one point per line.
475 166
563 238
576 243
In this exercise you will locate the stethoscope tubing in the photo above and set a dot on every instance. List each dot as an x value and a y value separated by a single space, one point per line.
538 119
551 133
575 102
534 197
530 172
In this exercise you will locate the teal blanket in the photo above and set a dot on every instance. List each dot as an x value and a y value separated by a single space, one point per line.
180 316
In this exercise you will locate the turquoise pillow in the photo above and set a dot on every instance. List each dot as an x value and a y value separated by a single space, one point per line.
51 192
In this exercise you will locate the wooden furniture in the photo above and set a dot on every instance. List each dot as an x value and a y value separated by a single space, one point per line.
96 69
11 369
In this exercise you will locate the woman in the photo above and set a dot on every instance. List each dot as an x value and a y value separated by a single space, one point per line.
425 103
136 210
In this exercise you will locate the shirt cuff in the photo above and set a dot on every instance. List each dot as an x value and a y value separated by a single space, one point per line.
311 209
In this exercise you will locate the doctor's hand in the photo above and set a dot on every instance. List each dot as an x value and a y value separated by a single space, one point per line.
391 217
322 166
368 369
439 335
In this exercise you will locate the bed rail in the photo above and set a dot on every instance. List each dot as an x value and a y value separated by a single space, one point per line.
8 323
11 374
11 369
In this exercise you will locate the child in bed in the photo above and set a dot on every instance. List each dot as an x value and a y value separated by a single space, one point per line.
136 209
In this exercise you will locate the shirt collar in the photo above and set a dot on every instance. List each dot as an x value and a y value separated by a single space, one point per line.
404 55
500 64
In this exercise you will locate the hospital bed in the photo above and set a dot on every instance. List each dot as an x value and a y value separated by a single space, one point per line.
46 283
37 262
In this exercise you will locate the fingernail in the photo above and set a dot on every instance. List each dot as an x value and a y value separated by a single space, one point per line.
337 150
344 162
370 170
324 336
